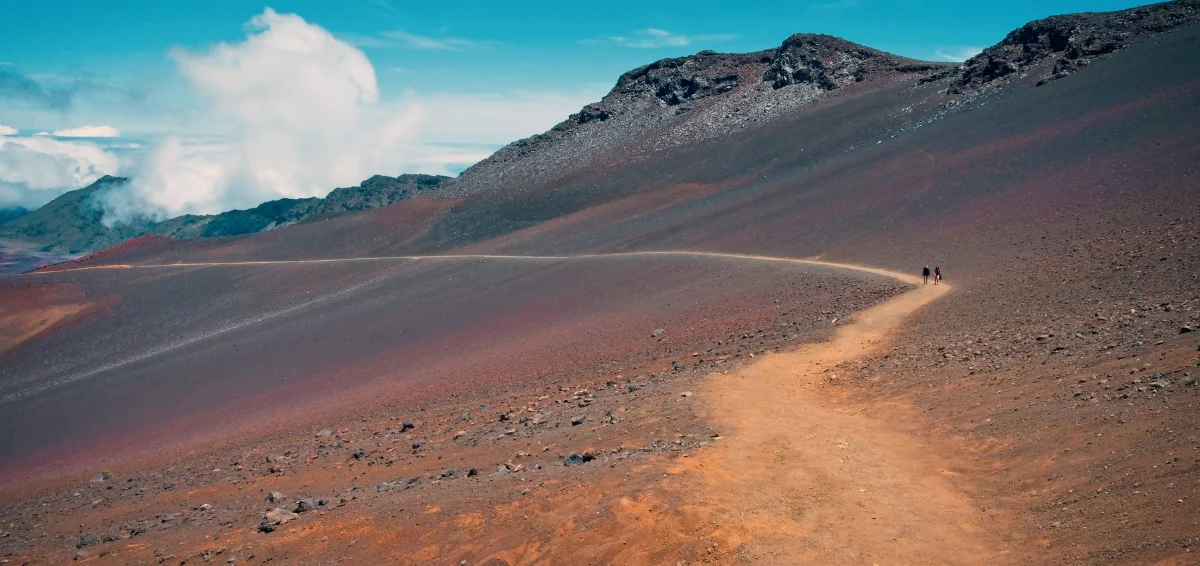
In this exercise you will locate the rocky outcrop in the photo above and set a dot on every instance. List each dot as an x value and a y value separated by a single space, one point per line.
1065 44
671 82
828 62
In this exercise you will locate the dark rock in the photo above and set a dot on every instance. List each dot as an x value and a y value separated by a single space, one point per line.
86 541
1185 329
358 453
450 474
407 426
166 518
593 112
576 421
418 444
576 459
472 473
305 505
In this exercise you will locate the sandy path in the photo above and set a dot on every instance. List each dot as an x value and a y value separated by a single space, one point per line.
800 477
477 257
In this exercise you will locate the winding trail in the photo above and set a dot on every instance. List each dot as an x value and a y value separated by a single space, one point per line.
800 475
682 253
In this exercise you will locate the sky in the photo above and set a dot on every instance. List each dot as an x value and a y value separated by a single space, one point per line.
225 104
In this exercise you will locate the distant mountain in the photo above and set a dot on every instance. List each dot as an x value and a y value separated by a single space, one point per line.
7 214
72 223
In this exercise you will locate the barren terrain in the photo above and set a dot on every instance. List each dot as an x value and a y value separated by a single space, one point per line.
508 377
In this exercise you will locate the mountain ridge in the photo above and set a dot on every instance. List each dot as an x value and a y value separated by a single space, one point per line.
74 222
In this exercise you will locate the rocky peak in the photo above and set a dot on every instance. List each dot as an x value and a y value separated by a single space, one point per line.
1072 41
674 81
828 62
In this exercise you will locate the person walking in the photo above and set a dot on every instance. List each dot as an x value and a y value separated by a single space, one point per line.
925 275
937 274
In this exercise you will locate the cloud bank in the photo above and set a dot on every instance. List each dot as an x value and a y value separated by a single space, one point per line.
35 170
304 112
7 130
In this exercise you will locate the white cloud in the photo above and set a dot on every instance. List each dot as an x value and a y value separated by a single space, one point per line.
415 41
89 132
957 54
650 38
305 115
7 130
35 170
42 134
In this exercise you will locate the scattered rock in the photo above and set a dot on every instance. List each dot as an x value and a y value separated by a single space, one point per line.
86 541
576 459
274 518
305 505
1185 329
275 497
323 432
204 507
166 518
657 332
359 453
407 426
576 421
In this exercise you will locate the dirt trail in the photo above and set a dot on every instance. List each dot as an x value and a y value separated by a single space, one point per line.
799 477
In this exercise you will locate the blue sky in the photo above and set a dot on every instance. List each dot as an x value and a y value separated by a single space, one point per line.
484 73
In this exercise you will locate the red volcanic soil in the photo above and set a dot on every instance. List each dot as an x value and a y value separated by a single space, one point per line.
1046 406
153 371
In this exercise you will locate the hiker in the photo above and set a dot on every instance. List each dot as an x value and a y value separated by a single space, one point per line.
937 274
925 275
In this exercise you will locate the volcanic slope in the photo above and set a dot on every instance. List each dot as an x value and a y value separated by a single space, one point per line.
1053 391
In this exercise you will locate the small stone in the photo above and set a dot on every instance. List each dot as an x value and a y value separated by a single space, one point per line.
205 507
359 453
576 421
305 505
86 541
450 474
323 432
407 426
686 394
166 518
274 518
472 472
576 459
1185 329
418 444
657 332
